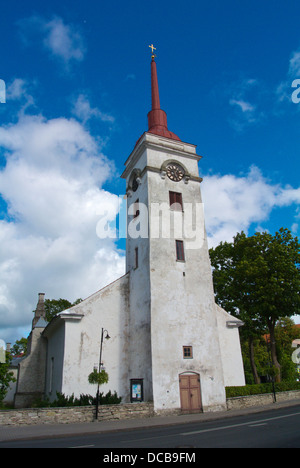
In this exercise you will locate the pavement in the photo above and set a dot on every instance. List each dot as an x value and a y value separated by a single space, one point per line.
39 431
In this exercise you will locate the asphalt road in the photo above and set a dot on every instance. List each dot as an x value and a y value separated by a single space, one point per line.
279 428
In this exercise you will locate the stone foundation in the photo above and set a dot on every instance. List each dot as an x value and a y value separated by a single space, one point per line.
74 414
261 400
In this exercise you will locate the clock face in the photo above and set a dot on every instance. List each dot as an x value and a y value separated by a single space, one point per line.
175 172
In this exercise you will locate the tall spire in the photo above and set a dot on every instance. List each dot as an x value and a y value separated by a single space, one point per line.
154 86
157 118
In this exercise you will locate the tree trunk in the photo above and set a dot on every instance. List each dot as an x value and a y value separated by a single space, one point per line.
252 361
271 325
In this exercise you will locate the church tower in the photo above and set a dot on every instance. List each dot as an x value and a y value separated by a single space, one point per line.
174 346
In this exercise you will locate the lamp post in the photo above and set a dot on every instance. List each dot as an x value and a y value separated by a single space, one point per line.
107 337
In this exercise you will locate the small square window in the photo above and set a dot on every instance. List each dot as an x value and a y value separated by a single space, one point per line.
187 352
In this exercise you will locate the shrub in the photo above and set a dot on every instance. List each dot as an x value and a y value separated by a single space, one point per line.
84 400
109 399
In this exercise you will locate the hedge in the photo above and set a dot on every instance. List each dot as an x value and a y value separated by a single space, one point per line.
84 400
257 389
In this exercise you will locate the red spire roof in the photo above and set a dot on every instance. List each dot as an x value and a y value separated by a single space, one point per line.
157 118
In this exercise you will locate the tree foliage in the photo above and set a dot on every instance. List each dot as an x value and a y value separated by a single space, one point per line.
20 347
55 306
257 278
6 376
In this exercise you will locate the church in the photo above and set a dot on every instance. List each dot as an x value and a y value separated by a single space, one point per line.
169 342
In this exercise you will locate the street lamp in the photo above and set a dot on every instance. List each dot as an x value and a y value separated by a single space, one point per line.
107 337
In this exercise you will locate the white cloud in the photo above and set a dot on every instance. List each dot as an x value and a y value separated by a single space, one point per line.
52 185
244 106
241 94
63 41
19 90
83 111
16 89
234 203
294 65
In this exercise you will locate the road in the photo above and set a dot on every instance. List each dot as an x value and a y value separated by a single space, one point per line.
279 428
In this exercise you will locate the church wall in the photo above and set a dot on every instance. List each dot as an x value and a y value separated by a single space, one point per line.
106 309
231 355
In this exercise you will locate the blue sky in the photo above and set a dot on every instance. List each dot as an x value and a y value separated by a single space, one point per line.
77 78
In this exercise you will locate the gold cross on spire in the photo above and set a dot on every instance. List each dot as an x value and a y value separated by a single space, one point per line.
152 48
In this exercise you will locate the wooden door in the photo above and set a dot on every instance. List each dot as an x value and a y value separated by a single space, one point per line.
190 395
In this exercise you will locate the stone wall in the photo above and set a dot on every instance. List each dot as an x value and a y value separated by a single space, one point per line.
261 400
126 411
74 414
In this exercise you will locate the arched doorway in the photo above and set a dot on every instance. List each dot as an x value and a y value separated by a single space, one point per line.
190 392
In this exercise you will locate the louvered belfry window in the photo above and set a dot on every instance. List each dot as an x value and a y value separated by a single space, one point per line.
175 201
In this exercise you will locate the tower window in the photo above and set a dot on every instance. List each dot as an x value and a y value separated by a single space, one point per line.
136 257
187 352
175 201
180 251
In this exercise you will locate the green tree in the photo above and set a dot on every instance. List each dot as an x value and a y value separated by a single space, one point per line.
285 334
257 278
231 284
19 347
55 306
6 377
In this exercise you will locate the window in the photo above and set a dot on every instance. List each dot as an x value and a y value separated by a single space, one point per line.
136 210
179 251
175 201
187 352
136 257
